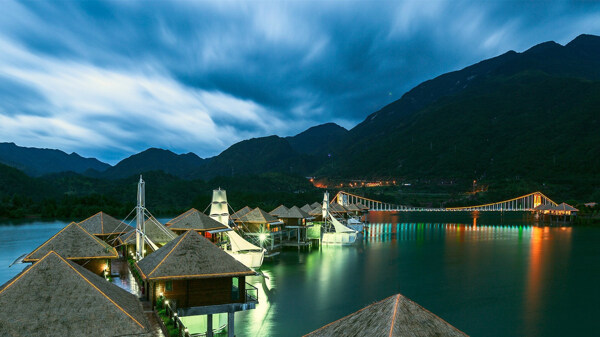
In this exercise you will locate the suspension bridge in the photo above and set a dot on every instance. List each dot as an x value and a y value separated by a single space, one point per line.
526 202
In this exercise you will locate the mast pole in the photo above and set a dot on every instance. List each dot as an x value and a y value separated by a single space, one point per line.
140 229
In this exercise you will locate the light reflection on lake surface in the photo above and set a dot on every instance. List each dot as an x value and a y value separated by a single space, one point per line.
488 275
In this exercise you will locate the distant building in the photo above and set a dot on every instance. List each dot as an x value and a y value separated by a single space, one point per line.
199 222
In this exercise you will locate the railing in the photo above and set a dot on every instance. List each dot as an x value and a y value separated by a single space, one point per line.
177 323
251 293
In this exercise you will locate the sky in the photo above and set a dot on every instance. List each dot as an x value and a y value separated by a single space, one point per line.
110 79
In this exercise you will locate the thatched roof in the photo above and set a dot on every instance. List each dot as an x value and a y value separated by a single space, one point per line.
316 211
337 208
394 316
306 208
241 212
352 208
56 297
297 213
565 207
315 204
259 216
155 231
196 220
544 207
190 256
361 206
74 243
104 224
281 211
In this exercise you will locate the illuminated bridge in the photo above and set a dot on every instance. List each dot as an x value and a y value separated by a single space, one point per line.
523 203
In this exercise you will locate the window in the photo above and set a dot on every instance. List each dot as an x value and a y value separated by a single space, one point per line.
169 286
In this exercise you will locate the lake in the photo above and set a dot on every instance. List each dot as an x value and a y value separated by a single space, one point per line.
486 274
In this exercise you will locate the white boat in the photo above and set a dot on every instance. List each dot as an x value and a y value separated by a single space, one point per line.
248 254
355 224
339 234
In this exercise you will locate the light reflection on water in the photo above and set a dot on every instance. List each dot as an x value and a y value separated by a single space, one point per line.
489 275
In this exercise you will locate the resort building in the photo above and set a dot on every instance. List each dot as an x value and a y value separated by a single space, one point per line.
105 227
199 222
56 297
76 244
295 223
264 227
306 208
393 316
197 278
240 213
156 233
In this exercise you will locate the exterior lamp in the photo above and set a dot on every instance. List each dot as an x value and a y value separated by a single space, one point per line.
175 315
166 301
262 237
160 294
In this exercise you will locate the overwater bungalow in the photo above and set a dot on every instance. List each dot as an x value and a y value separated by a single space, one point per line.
76 244
240 213
201 223
197 278
295 222
264 227
393 316
56 297
337 209
105 227
158 234
315 204
306 208
317 213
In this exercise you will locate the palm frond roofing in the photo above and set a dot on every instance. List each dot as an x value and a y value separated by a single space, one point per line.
74 243
315 204
196 220
104 224
316 211
280 211
565 207
155 231
241 212
337 208
56 297
259 216
353 208
190 256
306 208
297 213
393 316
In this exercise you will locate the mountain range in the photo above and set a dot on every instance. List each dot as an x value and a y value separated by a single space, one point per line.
530 115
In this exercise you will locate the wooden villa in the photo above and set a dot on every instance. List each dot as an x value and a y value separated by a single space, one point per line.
393 316
76 244
56 297
197 278
306 208
240 213
105 227
295 223
158 234
265 227
201 223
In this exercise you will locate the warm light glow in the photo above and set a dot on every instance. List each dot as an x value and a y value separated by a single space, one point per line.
262 237
160 294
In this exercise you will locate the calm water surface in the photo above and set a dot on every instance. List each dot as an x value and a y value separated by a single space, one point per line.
488 275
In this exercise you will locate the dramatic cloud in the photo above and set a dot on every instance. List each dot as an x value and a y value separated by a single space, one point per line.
108 79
